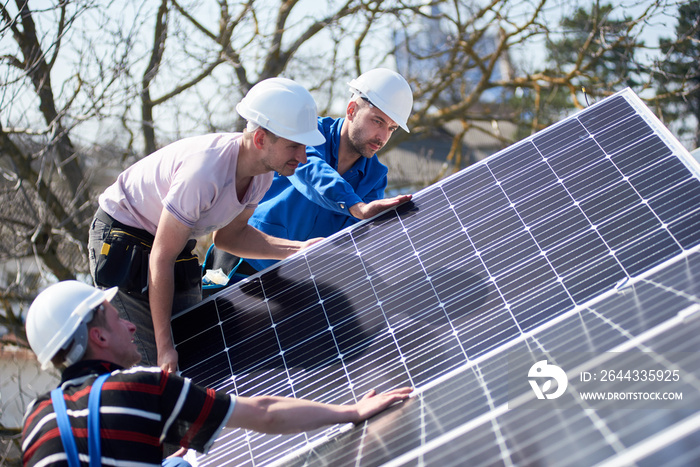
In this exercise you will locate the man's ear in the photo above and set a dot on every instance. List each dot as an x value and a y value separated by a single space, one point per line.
96 335
259 138
350 110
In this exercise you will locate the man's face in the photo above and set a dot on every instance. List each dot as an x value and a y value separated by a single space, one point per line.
120 332
369 129
282 155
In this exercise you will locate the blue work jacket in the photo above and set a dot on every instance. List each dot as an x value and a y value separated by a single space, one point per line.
315 201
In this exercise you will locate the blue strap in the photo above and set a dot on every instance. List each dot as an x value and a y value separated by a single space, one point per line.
59 406
94 447
93 419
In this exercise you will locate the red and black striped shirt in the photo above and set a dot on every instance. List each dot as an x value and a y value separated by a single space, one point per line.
141 408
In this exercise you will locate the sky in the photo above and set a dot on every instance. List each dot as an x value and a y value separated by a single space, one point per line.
119 17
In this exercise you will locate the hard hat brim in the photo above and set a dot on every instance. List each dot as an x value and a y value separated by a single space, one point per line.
110 294
96 300
310 138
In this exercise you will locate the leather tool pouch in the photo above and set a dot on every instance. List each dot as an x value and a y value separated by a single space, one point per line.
123 262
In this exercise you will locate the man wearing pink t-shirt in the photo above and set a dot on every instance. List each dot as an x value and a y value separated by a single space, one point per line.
142 237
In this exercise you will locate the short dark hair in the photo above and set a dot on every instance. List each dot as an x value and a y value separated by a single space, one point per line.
99 318
367 101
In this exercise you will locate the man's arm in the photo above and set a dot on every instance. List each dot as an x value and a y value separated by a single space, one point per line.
323 185
282 415
171 237
246 241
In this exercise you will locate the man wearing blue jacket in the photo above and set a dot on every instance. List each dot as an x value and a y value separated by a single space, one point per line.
343 181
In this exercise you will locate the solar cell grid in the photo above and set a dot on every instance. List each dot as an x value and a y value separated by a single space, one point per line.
458 274
462 420
610 113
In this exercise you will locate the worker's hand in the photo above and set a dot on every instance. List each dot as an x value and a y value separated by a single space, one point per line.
167 359
179 453
310 242
373 403
367 210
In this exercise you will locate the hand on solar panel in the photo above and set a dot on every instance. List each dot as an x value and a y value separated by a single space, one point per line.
167 360
367 210
373 403
282 415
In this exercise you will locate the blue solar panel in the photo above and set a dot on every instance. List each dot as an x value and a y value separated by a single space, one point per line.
471 267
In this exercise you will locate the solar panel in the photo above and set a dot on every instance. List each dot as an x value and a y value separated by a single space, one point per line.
475 416
501 259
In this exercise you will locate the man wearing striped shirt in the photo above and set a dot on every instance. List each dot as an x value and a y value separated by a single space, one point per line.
73 326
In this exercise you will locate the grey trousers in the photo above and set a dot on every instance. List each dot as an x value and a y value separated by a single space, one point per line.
134 307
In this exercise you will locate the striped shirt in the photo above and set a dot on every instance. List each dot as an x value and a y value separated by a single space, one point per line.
140 409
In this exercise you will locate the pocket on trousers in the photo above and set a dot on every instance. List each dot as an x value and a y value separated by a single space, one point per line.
122 264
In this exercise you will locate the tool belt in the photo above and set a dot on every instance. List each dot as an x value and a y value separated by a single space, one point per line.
123 259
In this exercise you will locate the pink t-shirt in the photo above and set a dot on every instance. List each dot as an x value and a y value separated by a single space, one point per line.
194 179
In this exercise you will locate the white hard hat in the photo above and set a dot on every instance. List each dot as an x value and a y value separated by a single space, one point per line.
59 315
285 108
386 90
